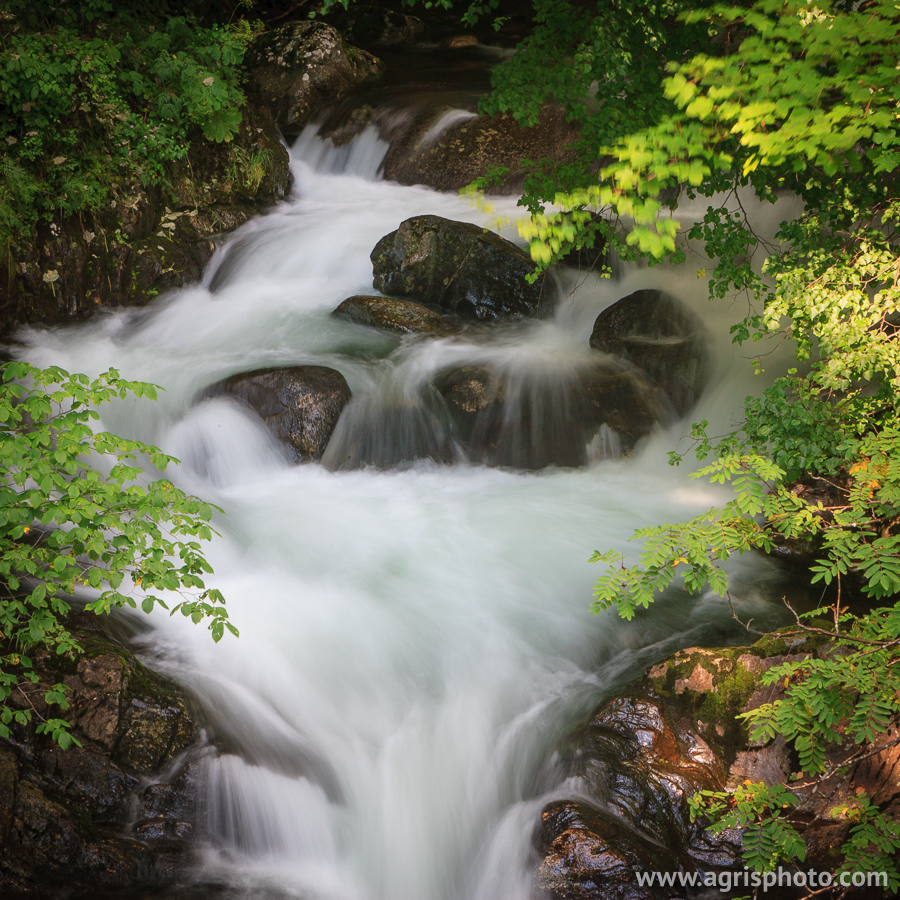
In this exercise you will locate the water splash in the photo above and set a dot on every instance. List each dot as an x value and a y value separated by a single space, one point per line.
414 642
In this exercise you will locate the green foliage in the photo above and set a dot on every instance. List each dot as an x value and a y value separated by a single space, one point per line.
807 101
758 809
849 694
100 94
78 517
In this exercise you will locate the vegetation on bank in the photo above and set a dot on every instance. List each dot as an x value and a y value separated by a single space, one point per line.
97 94
79 517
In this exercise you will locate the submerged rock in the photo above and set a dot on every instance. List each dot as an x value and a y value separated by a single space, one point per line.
300 404
470 147
459 267
660 335
536 421
298 69
403 316
68 818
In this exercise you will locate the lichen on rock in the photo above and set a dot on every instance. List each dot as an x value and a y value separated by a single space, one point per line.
299 68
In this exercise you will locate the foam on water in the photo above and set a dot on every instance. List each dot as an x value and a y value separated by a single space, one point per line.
413 643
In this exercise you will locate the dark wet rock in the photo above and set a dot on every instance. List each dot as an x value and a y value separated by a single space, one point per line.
300 404
459 267
355 123
372 26
475 398
638 766
175 798
657 333
579 863
390 314
300 68
534 421
470 148
622 398
676 731
155 732
67 817
148 240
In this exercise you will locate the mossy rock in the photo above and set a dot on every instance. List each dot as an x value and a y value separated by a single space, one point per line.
63 813
300 68
711 688
459 267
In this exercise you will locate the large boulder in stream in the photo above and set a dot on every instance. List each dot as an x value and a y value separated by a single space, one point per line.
300 404
474 273
660 335
452 157
540 419
391 314
119 811
298 69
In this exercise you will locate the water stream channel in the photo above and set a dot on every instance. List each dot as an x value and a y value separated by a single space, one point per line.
415 640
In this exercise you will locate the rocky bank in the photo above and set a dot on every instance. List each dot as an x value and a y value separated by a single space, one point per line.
672 732
150 240
119 811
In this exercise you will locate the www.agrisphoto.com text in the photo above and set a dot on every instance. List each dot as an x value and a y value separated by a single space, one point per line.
727 881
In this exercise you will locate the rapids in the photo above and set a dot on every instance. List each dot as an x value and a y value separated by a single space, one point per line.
414 641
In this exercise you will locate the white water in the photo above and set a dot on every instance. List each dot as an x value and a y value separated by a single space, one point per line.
414 643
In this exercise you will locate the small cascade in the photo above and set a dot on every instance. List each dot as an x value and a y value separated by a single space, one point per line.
363 156
416 635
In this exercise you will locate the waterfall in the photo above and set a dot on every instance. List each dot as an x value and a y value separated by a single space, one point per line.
415 638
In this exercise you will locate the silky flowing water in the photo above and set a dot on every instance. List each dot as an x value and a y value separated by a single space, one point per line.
415 641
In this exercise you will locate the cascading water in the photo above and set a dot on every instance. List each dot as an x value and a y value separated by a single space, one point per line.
414 640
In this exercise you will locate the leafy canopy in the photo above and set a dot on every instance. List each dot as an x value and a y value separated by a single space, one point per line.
79 518
806 101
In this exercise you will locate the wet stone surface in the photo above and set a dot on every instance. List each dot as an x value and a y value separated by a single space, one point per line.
460 267
390 314
661 336
300 404
69 818
637 768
